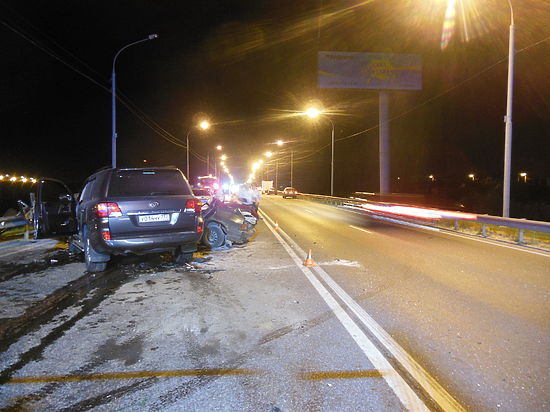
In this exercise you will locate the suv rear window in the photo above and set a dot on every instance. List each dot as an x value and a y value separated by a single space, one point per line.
148 183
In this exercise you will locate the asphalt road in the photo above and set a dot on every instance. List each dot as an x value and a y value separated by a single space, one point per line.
390 318
473 314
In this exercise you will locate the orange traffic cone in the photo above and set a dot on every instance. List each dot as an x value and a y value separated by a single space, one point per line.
309 260
276 226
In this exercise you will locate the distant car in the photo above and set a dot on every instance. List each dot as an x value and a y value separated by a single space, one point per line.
290 192
205 195
272 191
121 211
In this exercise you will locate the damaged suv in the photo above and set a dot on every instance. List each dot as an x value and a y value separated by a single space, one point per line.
122 211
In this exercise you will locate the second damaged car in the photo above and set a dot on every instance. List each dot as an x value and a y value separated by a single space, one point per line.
122 211
226 223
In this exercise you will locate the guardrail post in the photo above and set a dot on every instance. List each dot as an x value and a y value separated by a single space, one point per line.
26 235
520 237
456 225
484 230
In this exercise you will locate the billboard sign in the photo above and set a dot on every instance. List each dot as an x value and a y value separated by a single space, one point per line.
351 70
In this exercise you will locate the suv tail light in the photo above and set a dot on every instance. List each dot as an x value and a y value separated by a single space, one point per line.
193 205
108 210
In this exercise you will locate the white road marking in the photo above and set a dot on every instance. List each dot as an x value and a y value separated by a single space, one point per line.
309 211
361 229
403 391
492 242
341 262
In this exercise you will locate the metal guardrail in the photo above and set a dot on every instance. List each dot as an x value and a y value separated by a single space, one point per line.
12 222
487 224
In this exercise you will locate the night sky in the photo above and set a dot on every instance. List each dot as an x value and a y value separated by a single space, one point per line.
249 65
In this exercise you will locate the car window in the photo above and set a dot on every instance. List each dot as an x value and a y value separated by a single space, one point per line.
87 190
201 192
148 183
51 191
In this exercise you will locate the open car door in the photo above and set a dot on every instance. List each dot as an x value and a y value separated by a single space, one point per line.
54 209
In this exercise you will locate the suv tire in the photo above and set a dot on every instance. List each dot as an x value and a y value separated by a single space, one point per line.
90 265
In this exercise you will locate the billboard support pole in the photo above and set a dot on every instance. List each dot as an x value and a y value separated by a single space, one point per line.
384 142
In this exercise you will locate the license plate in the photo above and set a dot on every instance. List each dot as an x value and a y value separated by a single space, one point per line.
154 218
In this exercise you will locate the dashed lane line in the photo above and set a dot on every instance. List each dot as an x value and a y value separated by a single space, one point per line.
361 229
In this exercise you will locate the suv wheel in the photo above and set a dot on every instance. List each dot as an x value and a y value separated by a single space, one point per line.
90 265
214 236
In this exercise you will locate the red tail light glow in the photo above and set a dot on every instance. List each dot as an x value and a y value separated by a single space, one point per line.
109 209
106 235
193 205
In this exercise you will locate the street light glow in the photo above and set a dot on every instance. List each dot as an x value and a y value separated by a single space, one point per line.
219 147
280 142
204 124
313 112
223 157
268 154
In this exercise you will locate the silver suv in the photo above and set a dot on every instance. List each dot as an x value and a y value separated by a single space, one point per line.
122 211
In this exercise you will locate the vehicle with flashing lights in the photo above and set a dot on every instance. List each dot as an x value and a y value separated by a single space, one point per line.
290 192
121 211
208 182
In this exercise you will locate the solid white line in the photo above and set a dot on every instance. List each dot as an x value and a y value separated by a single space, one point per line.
424 379
403 391
309 211
33 246
361 229
492 242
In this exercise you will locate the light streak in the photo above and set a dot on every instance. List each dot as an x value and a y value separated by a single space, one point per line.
418 212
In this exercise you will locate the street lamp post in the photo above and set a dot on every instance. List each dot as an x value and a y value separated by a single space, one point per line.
508 119
291 167
113 96
313 113
203 125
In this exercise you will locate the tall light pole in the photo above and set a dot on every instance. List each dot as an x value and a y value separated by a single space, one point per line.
204 125
313 113
508 119
113 96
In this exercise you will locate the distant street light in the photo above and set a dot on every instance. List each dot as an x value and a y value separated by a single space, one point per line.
524 175
113 96
472 176
314 113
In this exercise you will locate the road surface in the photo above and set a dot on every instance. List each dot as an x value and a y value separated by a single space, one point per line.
389 318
